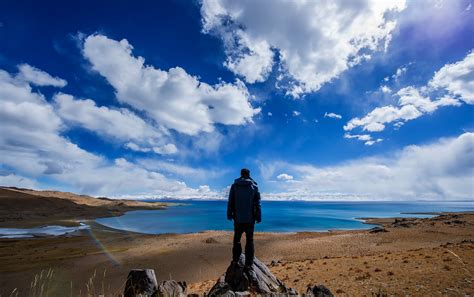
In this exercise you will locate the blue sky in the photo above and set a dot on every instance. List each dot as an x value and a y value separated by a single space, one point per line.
337 101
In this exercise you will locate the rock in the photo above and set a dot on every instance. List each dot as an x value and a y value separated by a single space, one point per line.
211 240
319 291
170 288
140 282
221 288
256 280
377 230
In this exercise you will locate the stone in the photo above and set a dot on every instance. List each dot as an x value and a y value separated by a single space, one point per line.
140 282
171 288
377 230
319 291
257 279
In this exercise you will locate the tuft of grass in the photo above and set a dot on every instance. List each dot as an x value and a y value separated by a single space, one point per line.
40 284
14 293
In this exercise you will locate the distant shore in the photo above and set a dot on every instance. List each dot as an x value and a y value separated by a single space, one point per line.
403 256
24 208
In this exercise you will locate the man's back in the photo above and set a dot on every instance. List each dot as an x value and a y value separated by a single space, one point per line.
245 201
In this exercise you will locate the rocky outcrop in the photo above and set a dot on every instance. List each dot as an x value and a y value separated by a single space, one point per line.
256 280
377 230
140 282
236 281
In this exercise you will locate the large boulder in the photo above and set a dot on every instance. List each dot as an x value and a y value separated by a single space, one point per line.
258 279
140 282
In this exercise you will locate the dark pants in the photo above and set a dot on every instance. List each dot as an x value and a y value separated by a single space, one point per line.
239 229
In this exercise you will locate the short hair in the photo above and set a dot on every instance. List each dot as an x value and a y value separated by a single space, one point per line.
244 172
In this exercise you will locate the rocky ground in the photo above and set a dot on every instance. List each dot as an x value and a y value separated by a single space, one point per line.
416 257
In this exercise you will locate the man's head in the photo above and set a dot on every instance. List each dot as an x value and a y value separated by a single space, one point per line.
244 172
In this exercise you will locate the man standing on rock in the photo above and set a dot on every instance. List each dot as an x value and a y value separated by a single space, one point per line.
244 208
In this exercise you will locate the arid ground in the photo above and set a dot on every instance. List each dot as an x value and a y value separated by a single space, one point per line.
417 257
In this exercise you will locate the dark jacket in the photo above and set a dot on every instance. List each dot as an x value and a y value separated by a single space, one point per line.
244 202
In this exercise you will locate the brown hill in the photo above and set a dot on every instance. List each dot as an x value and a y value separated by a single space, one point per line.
21 208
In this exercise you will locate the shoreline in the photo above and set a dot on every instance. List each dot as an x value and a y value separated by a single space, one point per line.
395 261
25 208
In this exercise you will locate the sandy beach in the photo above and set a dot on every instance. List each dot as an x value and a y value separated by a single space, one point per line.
417 257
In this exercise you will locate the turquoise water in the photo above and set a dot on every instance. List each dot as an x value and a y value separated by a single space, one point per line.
277 216
39 231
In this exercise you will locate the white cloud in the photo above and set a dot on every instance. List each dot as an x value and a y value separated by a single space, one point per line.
385 89
284 177
269 114
167 149
442 170
457 78
38 77
332 115
454 81
256 64
33 147
316 40
32 144
173 98
375 120
363 137
400 71
372 142
119 124
296 113
13 180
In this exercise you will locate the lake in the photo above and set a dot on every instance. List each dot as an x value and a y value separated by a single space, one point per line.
277 216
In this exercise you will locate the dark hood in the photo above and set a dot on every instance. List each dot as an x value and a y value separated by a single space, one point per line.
241 181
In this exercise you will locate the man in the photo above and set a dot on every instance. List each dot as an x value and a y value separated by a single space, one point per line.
244 208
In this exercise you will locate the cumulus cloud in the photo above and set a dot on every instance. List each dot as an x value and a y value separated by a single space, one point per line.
332 115
315 41
33 147
441 170
296 113
457 78
38 77
174 99
119 124
284 177
32 144
451 85
411 105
